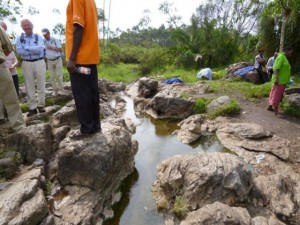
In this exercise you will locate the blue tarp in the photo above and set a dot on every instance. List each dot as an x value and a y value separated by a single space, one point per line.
173 81
243 71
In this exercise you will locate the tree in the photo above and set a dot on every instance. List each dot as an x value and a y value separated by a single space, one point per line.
239 15
10 8
289 11
168 9
60 30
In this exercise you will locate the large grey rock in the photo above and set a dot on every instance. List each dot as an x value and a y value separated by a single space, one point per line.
33 142
294 99
65 116
260 220
252 137
282 192
170 106
203 179
218 103
289 91
98 159
147 87
115 87
79 206
190 129
218 214
23 201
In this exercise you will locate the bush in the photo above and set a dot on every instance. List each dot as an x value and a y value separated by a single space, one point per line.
200 105
153 60
186 60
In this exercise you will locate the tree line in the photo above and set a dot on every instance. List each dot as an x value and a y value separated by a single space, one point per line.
221 31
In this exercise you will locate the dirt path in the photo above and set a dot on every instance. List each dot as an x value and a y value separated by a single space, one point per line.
288 127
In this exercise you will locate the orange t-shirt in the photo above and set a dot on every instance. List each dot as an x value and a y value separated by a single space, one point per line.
84 13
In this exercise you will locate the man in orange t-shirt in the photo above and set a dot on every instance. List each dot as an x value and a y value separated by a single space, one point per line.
83 50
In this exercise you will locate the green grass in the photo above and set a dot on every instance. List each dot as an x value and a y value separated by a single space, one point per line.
200 105
249 90
290 109
227 110
126 73
180 207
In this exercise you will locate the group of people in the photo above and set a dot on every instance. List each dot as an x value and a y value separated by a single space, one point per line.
264 68
82 50
278 70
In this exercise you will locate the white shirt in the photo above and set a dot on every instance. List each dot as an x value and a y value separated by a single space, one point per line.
270 62
55 43
257 59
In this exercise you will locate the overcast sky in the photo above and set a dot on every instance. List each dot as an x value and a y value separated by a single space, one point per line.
124 14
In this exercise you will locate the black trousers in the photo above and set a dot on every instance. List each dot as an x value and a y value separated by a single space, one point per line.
16 82
86 95
263 75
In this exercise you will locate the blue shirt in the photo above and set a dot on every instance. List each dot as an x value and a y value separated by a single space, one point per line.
55 43
31 47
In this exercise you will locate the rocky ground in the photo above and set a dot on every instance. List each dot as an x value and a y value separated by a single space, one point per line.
287 127
273 171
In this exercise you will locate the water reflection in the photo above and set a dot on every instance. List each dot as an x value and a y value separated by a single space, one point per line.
125 187
156 143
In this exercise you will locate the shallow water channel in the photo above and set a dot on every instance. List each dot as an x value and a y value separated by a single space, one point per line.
156 143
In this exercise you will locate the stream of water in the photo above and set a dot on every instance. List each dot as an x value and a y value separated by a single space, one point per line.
156 143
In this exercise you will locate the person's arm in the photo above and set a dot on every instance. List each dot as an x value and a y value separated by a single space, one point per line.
20 48
77 38
276 71
56 48
270 63
15 60
37 48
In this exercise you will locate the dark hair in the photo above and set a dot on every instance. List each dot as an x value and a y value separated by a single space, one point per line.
288 48
261 50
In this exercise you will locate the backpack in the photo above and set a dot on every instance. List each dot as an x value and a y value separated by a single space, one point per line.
22 39
36 39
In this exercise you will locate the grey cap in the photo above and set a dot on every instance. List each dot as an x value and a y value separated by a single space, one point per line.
45 31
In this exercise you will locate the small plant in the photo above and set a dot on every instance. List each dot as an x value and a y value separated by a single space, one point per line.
185 95
180 207
163 204
290 109
24 107
229 109
48 188
200 105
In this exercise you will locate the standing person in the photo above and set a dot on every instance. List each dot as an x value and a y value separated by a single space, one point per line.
31 48
259 65
83 50
54 62
8 94
12 62
270 65
280 79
